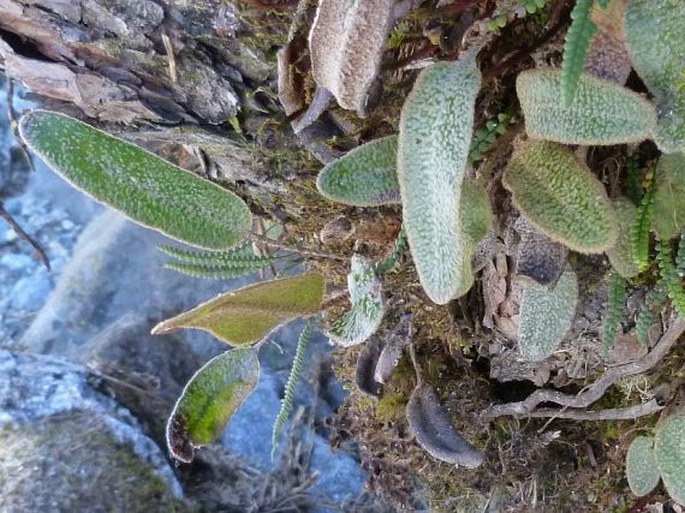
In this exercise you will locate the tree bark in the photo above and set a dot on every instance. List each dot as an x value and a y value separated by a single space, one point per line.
168 74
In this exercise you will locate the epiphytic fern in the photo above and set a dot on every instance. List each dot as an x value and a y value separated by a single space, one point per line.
671 277
218 265
640 232
653 300
391 260
616 297
680 256
485 137
576 47
293 377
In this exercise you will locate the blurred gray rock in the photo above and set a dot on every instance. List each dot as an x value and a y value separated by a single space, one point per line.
66 447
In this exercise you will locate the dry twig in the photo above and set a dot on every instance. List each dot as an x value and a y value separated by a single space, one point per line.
527 407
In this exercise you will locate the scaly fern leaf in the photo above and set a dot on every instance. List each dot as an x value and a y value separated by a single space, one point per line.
640 233
670 276
217 265
653 300
485 137
680 256
293 377
393 258
616 297
576 47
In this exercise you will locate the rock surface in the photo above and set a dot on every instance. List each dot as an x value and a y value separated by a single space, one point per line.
108 287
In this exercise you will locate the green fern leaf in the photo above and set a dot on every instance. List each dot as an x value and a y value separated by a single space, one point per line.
393 258
436 126
293 377
237 256
654 37
671 278
576 47
680 256
616 297
211 272
653 300
602 113
640 233
150 191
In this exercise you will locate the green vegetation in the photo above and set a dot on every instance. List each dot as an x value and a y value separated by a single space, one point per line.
247 315
209 400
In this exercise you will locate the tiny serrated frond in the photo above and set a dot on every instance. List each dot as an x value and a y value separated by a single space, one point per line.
616 297
639 236
393 258
485 137
680 256
671 278
653 300
239 257
576 47
211 272
294 376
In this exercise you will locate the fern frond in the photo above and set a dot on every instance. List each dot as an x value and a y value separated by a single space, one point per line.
213 272
238 257
633 186
485 137
670 276
653 300
216 265
576 47
616 297
293 377
680 256
639 236
393 258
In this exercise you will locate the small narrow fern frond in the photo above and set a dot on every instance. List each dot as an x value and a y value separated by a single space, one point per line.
680 256
237 257
211 272
653 300
616 297
293 377
671 278
640 233
485 137
217 265
576 47
633 186
393 258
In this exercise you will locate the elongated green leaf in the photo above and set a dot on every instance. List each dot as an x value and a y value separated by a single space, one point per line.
247 315
641 469
602 113
616 299
546 316
561 197
669 451
669 196
364 177
367 308
576 47
654 35
150 191
209 400
435 134
622 254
